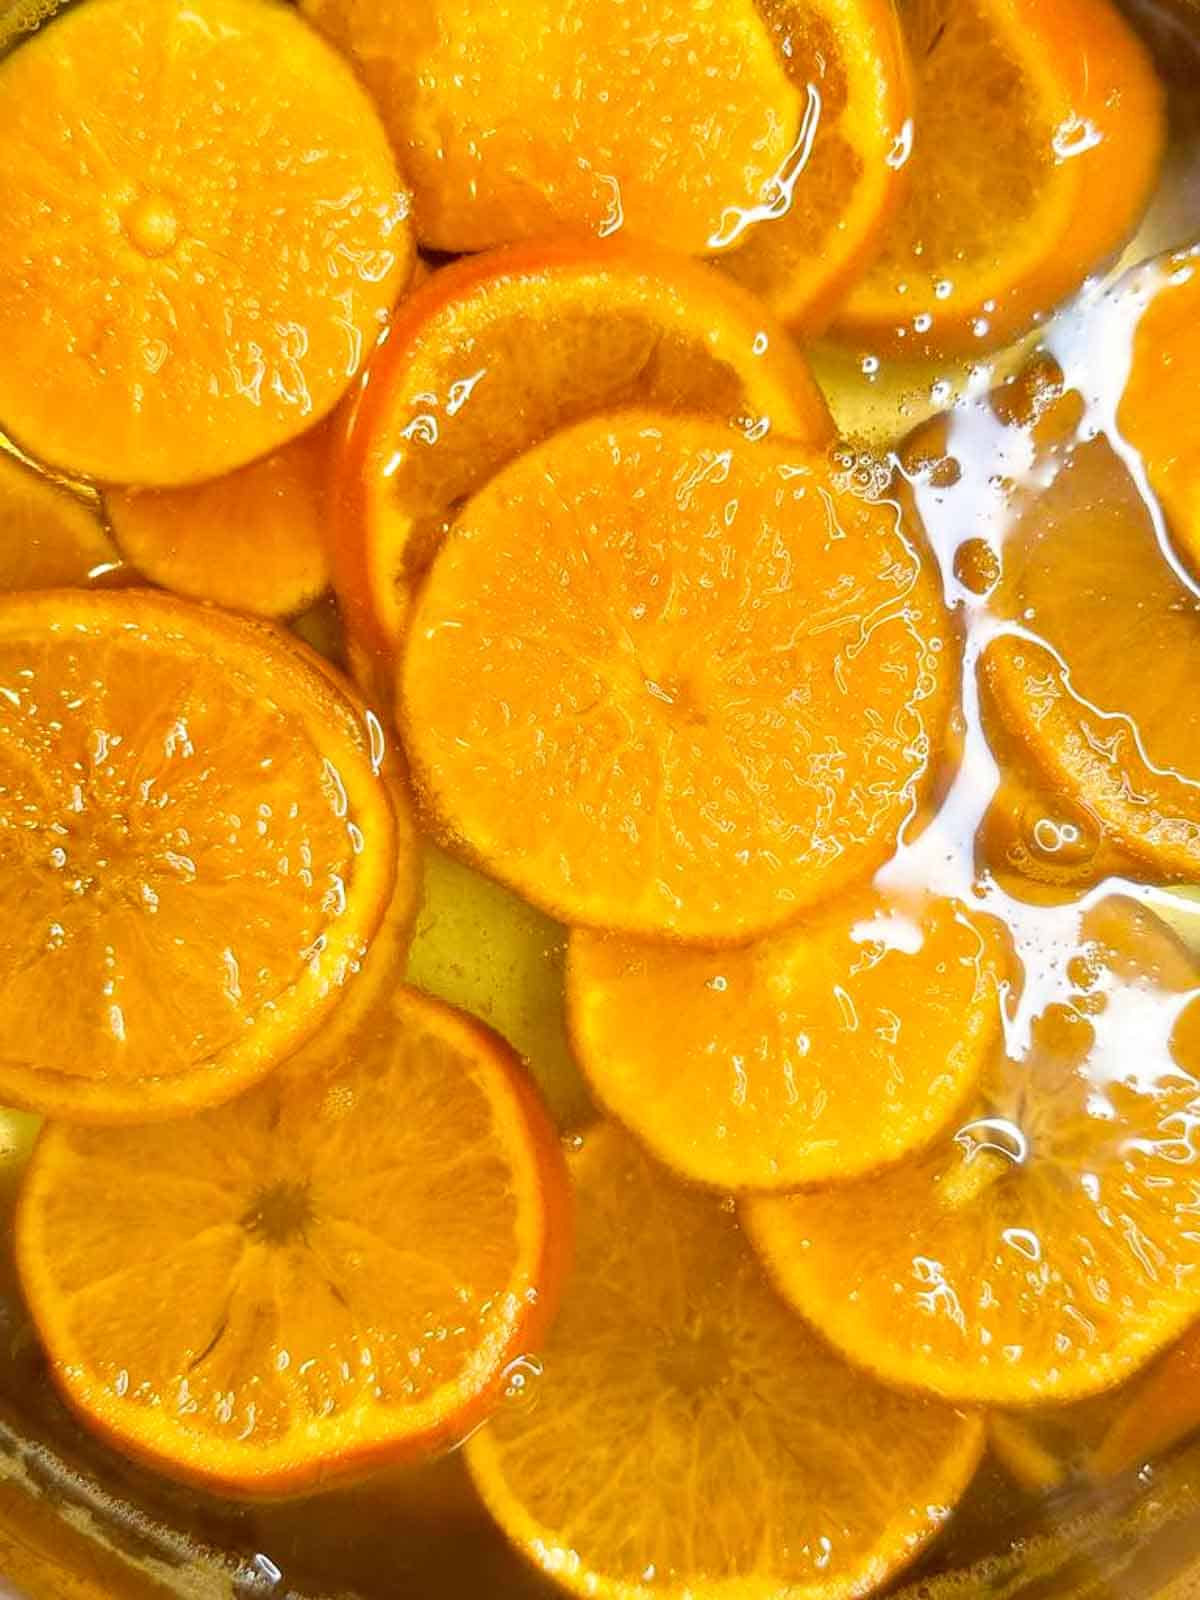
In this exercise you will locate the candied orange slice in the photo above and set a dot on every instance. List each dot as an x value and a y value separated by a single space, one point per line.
1159 395
196 847
1161 1411
493 355
1006 214
252 540
49 536
1046 1249
690 1437
828 1050
202 229
670 681
824 217
1097 685
586 115
330 1272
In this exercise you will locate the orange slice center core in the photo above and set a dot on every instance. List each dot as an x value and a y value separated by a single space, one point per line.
280 1214
152 226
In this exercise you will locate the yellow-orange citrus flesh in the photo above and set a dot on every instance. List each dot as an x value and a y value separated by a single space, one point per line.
196 847
202 229
814 1056
527 117
824 218
1158 1413
494 354
331 1272
49 536
1157 402
1046 1249
690 1436
252 540
1097 684
1007 211
673 682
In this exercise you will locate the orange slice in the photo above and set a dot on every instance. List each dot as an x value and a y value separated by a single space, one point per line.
1005 215
692 1438
824 217
812 1057
202 229
1163 375
478 946
1046 1249
1100 694
331 1272
252 540
492 355
588 116
49 536
196 846
711 674
1161 1411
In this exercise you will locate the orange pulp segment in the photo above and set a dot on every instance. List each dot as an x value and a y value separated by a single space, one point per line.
1161 1411
196 847
1045 1250
252 540
330 1272
1157 403
494 354
823 219
1006 212
48 535
202 229
580 115
1099 694
690 1436
711 674
814 1056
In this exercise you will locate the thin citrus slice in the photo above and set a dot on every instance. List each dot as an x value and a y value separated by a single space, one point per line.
1046 1249
48 535
478 946
1007 212
824 217
196 846
492 355
252 540
1159 1413
1097 684
670 681
583 115
690 1436
817 1055
330 1272
1157 403
202 229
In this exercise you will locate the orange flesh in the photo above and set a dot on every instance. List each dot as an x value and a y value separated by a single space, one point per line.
962 1048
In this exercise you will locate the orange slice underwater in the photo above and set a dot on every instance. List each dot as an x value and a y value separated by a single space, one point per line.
1157 402
202 229
253 540
812 1057
49 536
332 1272
825 216
196 847
711 674
493 355
1046 1249
573 115
1005 215
689 1437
